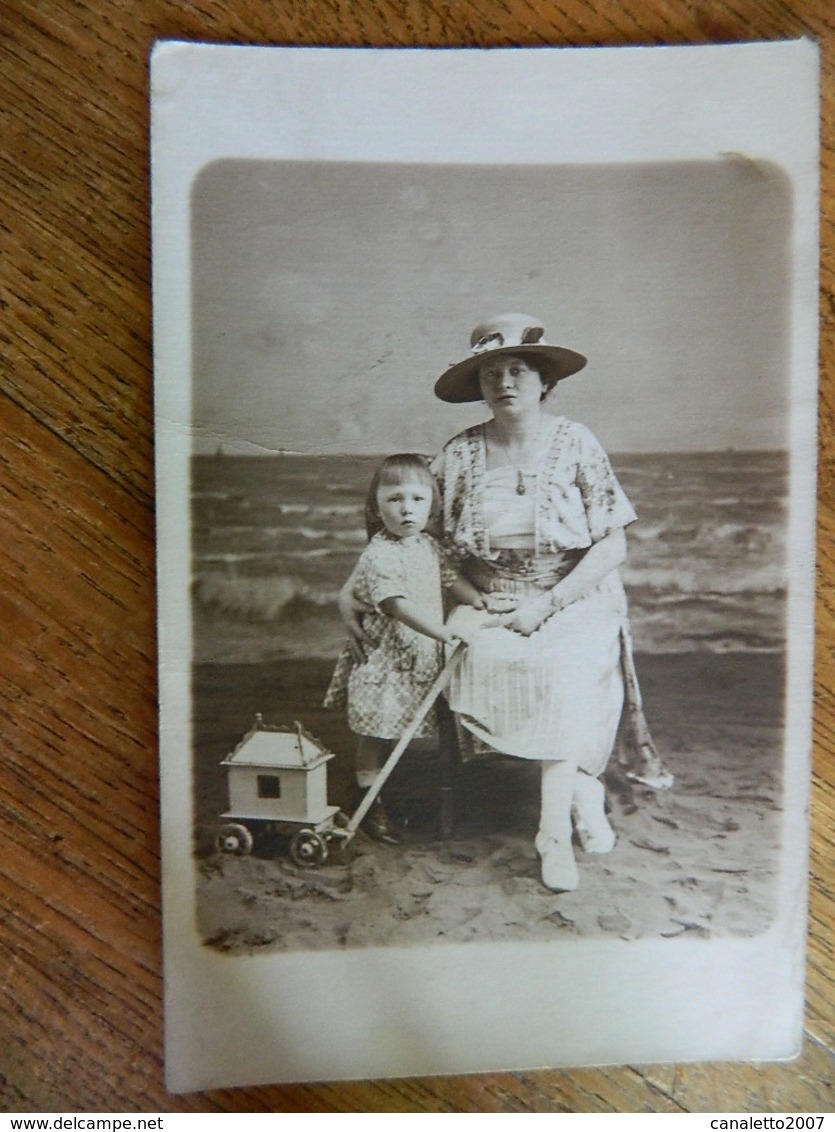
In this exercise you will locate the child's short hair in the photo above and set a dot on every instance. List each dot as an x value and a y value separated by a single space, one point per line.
400 468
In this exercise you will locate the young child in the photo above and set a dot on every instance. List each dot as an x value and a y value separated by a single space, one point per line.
399 575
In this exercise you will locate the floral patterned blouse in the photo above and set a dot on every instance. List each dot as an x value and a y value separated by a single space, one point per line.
578 498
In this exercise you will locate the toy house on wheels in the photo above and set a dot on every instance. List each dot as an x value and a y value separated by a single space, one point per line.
277 782
277 779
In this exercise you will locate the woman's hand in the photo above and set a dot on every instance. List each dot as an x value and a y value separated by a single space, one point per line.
527 617
351 610
500 602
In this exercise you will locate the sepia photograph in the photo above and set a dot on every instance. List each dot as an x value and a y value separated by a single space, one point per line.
485 489
329 302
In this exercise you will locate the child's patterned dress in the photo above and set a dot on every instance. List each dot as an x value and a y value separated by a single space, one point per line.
384 693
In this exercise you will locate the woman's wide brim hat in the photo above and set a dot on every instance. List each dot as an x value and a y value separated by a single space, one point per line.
517 334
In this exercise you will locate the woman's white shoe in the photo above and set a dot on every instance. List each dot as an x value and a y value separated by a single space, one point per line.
559 869
589 813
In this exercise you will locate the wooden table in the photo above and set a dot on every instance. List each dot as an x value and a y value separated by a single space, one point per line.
80 1004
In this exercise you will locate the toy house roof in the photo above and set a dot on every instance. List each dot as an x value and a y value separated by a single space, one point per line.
278 748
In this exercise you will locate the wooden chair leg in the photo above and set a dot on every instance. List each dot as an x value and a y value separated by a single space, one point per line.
449 762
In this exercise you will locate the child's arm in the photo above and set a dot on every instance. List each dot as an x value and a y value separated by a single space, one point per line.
351 609
465 593
461 589
411 614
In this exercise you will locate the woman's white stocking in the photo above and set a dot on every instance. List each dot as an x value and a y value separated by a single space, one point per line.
589 813
553 841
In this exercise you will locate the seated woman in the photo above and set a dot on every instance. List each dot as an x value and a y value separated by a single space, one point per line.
535 516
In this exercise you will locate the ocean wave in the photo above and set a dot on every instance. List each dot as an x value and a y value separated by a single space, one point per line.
293 508
237 532
645 532
356 535
707 580
255 532
747 535
718 642
233 558
711 534
320 510
271 561
719 608
309 552
708 537
718 645
259 599
334 510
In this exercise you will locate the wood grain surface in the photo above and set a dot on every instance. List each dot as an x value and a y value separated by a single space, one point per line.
80 962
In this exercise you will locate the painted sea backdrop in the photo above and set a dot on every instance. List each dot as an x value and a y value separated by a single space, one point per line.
274 537
273 540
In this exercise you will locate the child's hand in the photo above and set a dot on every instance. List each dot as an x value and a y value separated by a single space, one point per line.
464 622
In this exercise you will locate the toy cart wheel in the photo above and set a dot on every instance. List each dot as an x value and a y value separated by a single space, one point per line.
308 849
235 839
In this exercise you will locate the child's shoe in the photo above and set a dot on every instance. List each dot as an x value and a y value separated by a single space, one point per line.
379 826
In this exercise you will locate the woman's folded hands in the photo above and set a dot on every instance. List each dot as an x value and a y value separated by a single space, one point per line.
528 616
504 611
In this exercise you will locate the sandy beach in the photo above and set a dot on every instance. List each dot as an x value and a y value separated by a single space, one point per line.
699 860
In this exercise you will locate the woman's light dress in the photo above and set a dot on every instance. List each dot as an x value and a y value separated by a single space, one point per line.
384 693
558 693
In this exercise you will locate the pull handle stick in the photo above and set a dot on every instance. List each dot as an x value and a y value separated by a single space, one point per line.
405 739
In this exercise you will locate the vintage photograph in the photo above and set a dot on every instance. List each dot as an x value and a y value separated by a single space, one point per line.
598 487
484 411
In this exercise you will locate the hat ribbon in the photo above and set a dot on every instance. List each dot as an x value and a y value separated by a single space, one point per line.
496 340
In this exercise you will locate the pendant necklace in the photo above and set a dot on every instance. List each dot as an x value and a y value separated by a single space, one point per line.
521 488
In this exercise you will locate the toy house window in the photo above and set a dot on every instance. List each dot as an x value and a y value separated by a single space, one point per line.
269 786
